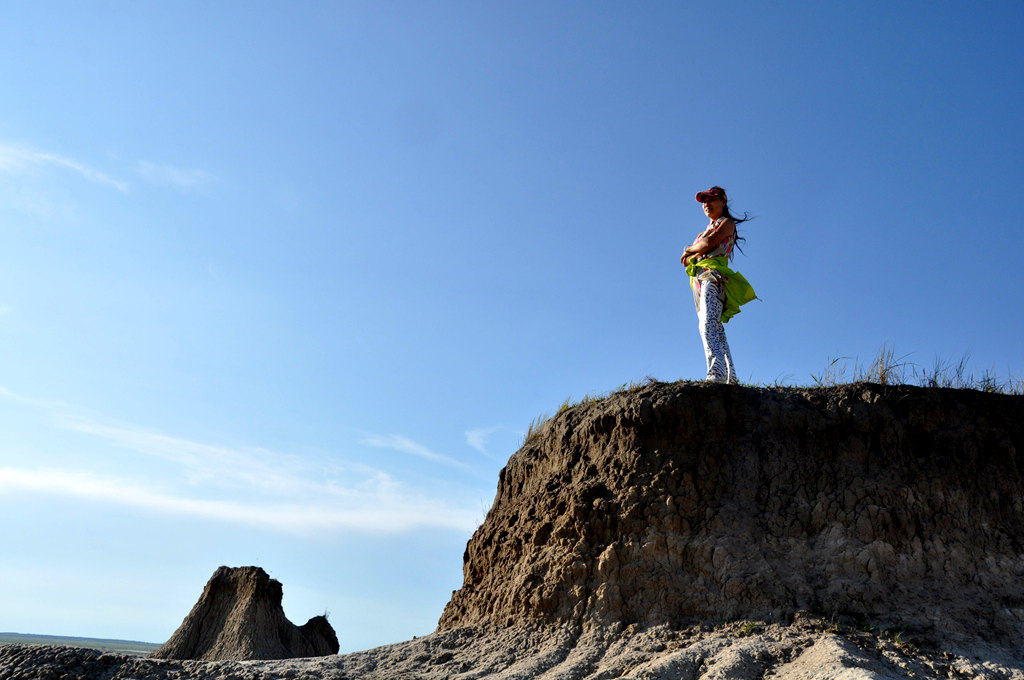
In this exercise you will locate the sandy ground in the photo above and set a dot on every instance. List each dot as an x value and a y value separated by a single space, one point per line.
737 651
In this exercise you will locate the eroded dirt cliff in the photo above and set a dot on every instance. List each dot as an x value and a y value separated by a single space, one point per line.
672 503
239 617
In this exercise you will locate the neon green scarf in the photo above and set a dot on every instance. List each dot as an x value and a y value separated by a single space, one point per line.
738 290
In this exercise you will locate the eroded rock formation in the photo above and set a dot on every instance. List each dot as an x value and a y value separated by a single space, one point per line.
680 502
239 617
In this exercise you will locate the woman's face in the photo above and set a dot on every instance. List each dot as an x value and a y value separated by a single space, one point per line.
714 207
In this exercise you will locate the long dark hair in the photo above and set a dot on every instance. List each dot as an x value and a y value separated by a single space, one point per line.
736 220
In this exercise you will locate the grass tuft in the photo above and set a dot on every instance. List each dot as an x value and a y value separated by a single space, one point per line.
747 628
834 373
888 369
535 427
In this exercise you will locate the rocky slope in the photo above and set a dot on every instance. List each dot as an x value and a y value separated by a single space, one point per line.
739 651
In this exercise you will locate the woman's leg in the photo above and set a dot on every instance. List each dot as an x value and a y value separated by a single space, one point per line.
712 334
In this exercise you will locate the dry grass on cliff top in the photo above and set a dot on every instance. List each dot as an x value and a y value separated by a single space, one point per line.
889 369
886 368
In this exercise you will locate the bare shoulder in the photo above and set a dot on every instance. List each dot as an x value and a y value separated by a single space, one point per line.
726 227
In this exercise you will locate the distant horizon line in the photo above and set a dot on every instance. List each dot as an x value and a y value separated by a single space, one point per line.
11 634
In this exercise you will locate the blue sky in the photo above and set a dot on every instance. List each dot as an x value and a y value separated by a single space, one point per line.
284 283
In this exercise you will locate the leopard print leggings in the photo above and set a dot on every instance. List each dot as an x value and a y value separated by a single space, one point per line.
712 334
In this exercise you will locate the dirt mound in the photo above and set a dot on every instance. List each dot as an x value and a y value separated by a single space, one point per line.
676 503
239 617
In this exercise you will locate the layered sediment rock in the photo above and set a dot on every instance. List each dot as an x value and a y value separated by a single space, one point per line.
239 617
673 503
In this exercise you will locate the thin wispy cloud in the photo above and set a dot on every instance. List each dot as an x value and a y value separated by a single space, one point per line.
397 442
17 159
198 462
201 462
380 508
48 406
477 438
244 485
186 179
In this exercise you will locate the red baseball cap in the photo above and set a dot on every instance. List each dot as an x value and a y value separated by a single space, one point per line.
713 192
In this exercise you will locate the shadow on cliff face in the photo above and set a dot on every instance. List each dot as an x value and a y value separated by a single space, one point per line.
673 503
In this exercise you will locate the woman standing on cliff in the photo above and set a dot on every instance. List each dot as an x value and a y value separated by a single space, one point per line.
718 291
